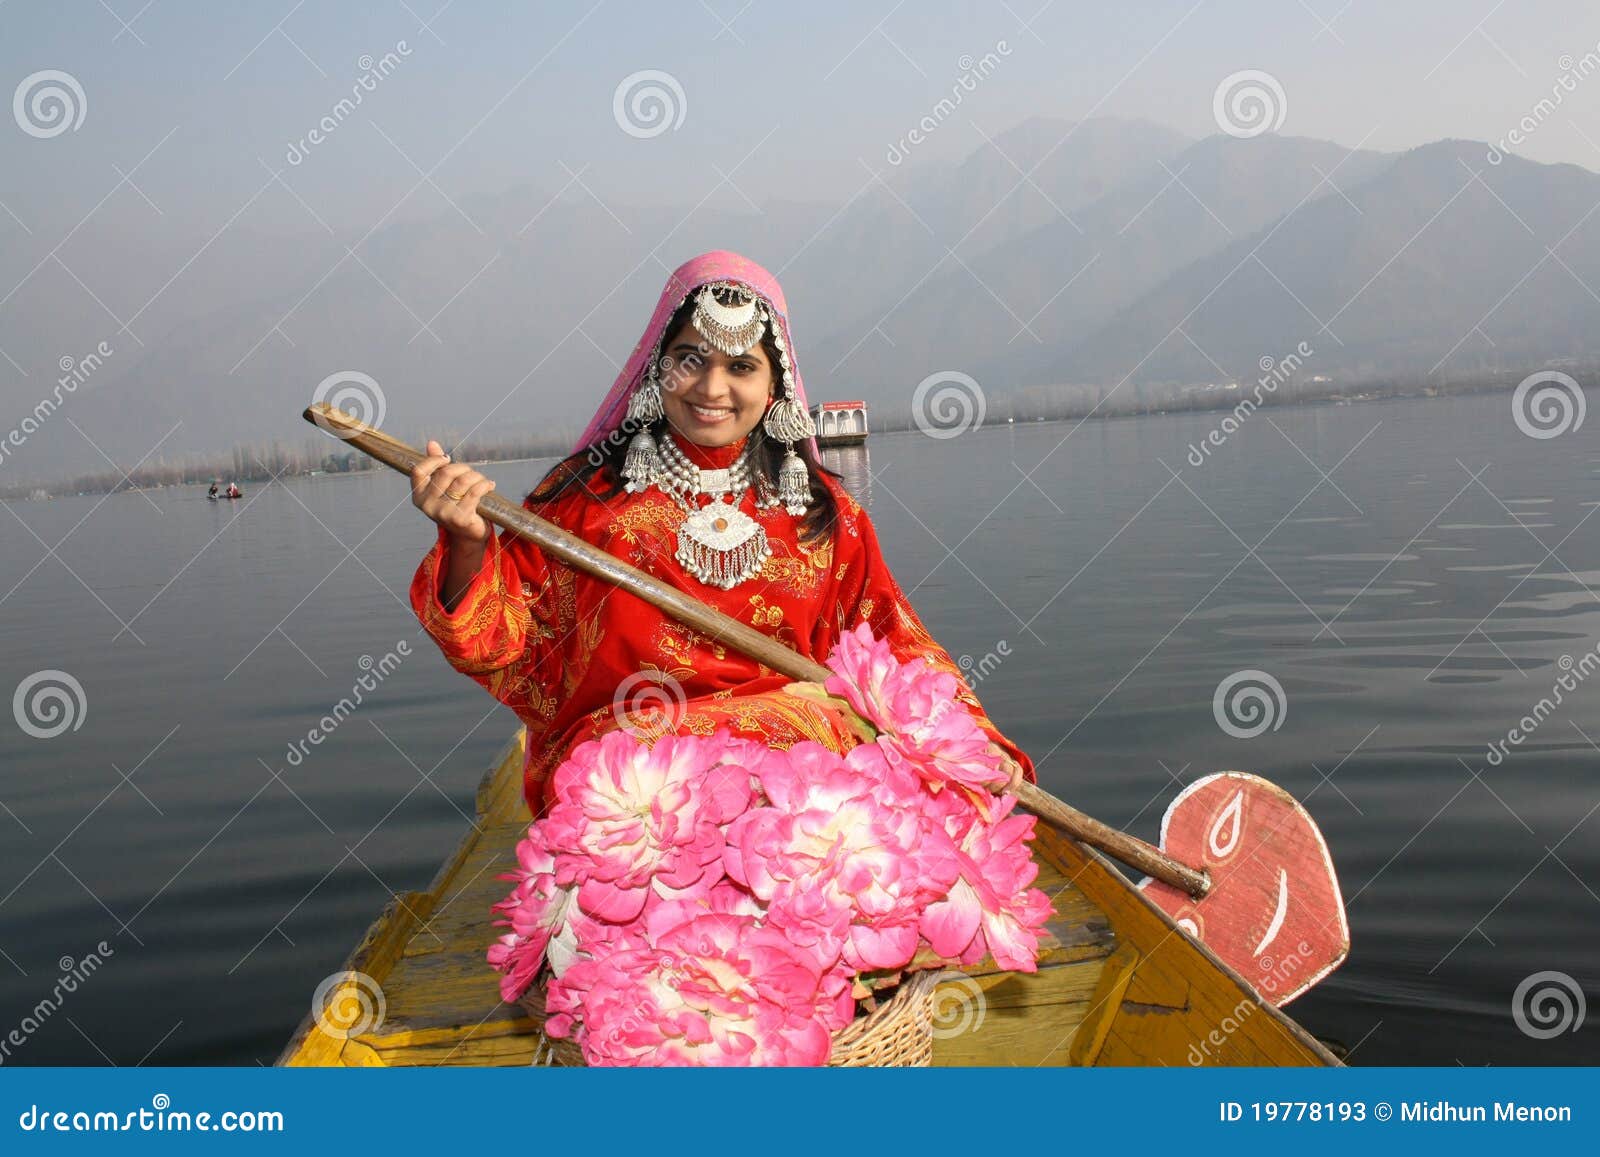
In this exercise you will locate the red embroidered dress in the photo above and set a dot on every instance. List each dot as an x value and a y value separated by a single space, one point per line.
575 657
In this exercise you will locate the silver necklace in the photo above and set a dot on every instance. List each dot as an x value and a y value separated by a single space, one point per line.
718 543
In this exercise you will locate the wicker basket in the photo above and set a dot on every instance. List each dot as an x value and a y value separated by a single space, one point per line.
898 1033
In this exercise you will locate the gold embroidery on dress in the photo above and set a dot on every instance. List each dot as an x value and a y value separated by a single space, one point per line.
763 613
633 517
479 611
677 641
785 719
650 527
794 575
587 635
566 596
668 675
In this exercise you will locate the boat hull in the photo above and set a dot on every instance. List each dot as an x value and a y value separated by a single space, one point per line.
1118 983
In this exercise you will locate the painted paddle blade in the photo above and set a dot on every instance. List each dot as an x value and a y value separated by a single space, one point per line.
1274 912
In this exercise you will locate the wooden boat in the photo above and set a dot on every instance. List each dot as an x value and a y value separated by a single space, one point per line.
1118 982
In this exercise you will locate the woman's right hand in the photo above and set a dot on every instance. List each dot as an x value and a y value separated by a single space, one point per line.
448 493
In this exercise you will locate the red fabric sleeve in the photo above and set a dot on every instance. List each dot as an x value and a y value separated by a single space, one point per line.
504 631
869 592
488 628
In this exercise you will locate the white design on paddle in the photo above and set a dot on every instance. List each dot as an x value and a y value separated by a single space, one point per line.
1232 815
1277 917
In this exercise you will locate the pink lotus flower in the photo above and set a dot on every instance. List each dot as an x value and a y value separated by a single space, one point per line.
841 856
712 901
698 987
991 910
537 911
921 725
632 821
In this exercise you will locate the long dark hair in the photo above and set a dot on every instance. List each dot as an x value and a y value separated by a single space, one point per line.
598 468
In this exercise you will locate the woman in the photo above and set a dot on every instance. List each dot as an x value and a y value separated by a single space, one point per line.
700 468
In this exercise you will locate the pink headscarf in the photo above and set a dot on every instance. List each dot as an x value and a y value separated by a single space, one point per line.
718 265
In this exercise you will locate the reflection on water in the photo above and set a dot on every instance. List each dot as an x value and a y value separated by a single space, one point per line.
854 465
1411 622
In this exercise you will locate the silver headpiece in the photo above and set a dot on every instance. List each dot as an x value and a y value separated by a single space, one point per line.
732 319
733 326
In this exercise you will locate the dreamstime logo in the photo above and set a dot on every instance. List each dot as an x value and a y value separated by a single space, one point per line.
972 71
1276 977
1575 672
959 1005
73 973
1249 703
673 374
348 1004
975 671
1210 1046
376 672
1548 404
49 103
1249 103
648 103
1548 1004
1274 372
349 388
947 404
372 71
49 703
74 372
1572 72
649 704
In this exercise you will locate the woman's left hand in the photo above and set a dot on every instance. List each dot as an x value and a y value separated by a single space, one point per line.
1013 769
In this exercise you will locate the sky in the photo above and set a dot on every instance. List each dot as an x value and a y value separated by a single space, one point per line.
191 122
491 97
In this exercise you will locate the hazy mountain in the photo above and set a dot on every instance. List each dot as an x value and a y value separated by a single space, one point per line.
1125 254
487 314
890 239
1020 306
1441 263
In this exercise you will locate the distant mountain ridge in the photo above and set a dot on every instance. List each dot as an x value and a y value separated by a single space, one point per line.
1096 253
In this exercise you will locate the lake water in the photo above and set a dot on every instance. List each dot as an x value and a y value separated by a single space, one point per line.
1414 603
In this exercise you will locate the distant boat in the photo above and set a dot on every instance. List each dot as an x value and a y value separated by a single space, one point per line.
840 423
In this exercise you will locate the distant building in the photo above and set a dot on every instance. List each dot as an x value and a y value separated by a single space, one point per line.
840 423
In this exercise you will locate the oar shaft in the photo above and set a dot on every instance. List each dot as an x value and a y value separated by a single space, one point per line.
1129 849
591 559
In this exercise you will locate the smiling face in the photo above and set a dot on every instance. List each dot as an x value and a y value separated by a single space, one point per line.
712 399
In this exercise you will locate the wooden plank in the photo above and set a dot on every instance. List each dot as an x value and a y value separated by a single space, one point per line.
1179 993
1016 1018
441 994
1117 983
1101 1014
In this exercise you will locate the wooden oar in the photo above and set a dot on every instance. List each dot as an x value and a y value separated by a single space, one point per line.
1253 879
590 559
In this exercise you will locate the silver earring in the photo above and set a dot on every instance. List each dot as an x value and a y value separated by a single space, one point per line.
787 422
643 460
